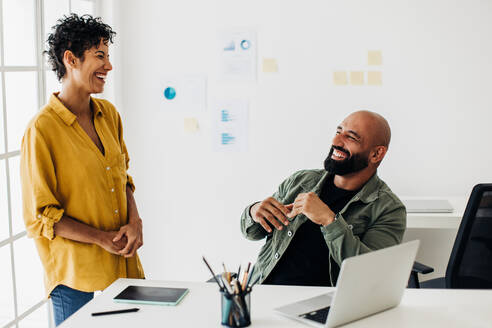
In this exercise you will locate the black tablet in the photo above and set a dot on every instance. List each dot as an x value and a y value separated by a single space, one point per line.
151 295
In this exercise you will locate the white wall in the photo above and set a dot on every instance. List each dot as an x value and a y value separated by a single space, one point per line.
436 90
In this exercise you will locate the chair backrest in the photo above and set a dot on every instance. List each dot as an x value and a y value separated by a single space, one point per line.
470 263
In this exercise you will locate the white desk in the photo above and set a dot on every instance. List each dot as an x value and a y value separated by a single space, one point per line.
201 308
437 220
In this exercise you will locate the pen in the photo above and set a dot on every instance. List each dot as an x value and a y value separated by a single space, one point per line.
115 311
236 287
212 272
249 276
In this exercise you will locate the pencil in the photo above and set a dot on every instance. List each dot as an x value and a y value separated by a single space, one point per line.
228 274
245 277
228 287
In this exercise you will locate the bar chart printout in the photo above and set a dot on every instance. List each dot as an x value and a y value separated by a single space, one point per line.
230 121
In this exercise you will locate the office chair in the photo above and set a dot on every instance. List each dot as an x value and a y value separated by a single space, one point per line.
470 263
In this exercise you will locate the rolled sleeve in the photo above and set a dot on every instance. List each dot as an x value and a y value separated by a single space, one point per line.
129 182
40 205
48 218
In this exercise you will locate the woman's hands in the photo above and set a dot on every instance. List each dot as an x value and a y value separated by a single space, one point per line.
106 241
133 235
124 242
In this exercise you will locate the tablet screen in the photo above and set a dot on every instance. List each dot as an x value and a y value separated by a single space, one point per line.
151 295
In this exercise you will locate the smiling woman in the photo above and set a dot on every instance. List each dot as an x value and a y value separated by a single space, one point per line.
77 196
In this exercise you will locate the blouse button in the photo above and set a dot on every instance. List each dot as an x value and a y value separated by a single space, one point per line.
276 256
116 211
108 168
112 189
289 233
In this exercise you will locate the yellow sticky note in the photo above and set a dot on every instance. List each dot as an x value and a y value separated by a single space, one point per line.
340 78
356 78
270 65
190 125
374 78
374 57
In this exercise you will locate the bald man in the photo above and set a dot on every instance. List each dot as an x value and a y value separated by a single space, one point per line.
318 218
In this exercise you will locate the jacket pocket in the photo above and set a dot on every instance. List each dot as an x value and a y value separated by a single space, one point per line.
359 225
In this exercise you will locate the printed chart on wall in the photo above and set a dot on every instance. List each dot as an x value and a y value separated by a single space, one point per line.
237 55
230 123
185 93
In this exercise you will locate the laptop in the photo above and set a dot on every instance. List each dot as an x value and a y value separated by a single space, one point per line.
427 206
368 284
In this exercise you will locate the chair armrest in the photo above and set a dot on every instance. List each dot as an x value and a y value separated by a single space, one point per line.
421 268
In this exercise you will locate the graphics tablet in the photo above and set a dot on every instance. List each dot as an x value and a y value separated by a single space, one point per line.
151 295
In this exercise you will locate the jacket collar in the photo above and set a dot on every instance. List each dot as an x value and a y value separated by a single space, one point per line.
368 193
64 113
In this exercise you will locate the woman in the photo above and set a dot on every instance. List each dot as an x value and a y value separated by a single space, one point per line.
78 198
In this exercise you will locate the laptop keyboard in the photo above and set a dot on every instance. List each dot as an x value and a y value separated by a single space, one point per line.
319 315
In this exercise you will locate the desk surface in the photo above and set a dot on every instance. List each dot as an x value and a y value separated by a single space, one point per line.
201 308
438 220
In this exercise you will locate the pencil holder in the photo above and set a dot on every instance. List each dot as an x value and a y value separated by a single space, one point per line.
236 309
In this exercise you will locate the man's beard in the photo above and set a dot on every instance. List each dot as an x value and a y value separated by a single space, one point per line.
350 164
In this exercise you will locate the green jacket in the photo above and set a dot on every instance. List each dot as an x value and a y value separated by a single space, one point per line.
374 218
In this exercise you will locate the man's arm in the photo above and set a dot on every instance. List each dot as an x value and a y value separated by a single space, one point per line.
259 218
387 230
256 218
250 229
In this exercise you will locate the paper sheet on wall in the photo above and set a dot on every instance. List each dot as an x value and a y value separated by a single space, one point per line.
340 78
191 125
374 78
230 121
270 65
356 78
184 93
374 57
237 55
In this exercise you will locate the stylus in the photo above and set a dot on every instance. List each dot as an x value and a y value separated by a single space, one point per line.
116 311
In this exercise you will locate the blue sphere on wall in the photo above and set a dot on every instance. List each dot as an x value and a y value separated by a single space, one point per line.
169 93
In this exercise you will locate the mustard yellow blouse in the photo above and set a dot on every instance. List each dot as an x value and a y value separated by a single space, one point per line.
63 172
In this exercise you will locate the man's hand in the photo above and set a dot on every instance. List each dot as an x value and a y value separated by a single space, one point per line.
311 206
270 210
105 241
133 233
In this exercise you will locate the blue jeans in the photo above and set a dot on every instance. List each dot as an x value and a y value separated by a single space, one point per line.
66 301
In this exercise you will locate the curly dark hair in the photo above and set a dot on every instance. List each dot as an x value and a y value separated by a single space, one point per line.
77 34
